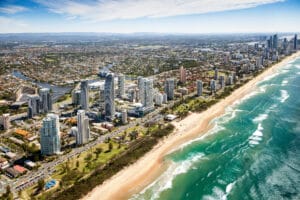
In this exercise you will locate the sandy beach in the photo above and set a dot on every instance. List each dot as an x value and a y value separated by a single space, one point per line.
137 176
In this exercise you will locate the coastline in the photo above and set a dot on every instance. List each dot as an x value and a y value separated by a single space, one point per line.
137 176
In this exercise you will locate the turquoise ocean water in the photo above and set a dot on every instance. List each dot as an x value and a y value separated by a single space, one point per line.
253 151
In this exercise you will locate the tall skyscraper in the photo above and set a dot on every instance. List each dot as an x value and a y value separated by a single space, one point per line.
270 43
124 117
275 41
6 121
121 85
46 100
199 87
159 98
84 99
182 72
230 80
147 95
83 130
76 96
295 42
216 76
109 95
169 88
140 84
213 86
50 135
34 105
222 81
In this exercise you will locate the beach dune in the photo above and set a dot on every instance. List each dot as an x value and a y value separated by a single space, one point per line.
137 176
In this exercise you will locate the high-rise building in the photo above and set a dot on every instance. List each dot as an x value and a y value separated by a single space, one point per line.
213 86
140 84
147 95
222 81
124 117
285 43
182 72
121 86
270 43
109 95
46 100
165 98
295 42
76 96
230 80
258 62
132 95
275 41
34 105
216 76
6 121
159 98
169 88
50 135
199 87
83 130
84 99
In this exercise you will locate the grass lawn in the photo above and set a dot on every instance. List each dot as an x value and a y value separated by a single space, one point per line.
94 161
49 60
82 168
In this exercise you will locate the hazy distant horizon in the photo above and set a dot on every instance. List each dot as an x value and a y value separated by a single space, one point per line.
155 16
150 33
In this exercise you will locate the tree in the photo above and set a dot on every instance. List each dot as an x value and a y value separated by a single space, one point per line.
110 146
133 135
88 157
98 151
8 195
41 184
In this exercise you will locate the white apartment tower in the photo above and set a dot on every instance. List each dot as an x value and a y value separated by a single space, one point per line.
83 130
121 85
109 97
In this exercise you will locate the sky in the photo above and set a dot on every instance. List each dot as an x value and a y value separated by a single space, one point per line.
161 16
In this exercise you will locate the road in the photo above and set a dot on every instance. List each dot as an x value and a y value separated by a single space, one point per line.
47 169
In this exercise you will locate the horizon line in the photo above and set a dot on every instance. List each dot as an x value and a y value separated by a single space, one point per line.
163 33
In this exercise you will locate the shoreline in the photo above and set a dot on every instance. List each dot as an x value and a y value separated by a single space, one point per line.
139 175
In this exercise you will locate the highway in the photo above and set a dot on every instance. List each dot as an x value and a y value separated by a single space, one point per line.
47 169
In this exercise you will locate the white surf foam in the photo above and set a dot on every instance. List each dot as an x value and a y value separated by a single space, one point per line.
256 137
260 118
253 142
267 78
229 187
284 96
165 181
218 193
284 82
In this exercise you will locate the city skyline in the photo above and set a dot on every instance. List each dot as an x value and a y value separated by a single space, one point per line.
167 16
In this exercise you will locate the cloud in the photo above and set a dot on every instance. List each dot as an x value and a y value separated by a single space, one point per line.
10 25
103 10
10 9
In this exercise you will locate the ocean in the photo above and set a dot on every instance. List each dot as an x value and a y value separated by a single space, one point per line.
253 151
